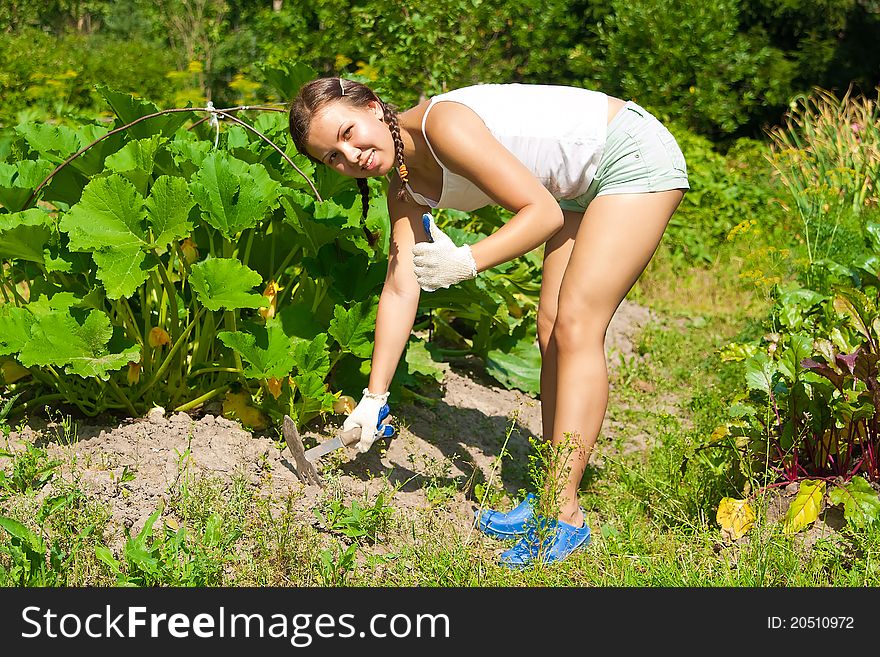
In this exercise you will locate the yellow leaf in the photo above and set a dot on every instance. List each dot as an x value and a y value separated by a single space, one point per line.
236 406
720 432
736 517
804 508
10 372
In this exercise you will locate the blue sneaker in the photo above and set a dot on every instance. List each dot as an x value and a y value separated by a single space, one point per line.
507 525
559 540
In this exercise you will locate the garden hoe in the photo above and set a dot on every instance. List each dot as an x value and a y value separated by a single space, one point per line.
304 459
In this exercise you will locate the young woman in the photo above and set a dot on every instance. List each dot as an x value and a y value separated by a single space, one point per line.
591 177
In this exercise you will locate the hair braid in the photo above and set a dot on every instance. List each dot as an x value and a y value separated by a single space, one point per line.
391 120
364 188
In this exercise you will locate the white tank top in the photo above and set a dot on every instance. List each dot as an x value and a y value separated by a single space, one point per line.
557 132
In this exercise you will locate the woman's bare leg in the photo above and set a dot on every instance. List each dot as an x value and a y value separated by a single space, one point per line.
556 254
615 241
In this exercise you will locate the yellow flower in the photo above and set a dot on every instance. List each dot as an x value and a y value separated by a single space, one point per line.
158 337
271 293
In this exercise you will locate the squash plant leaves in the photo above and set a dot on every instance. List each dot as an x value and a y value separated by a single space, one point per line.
24 235
57 338
353 328
168 207
15 328
267 350
232 194
226 283
109 221
313 356
18 181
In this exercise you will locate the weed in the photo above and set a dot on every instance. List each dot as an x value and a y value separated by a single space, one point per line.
32 558
31 470
66 430
5 411
335 565
356 521
170 557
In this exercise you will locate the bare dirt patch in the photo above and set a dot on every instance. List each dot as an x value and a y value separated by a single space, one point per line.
132 467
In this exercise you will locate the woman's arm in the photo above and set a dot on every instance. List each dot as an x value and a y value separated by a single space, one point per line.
399 300
464 144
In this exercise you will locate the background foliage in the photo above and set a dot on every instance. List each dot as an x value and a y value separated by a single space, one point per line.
723 69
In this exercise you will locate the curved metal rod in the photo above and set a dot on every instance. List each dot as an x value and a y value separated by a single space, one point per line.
170 111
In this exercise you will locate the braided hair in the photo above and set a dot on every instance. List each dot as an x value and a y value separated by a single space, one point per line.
313 96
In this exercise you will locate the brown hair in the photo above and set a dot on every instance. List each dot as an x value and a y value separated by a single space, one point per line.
313 96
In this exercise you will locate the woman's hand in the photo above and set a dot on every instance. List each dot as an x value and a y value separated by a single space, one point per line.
439 262
371 415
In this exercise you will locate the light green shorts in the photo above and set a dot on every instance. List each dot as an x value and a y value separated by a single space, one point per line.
641 155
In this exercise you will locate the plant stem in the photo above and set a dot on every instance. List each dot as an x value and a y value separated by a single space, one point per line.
208 370
129 320
286 262
170 356
121 396
171 293
203 398
247 248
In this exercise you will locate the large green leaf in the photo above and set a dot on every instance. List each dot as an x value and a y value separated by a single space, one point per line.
123 270
299 321
15 329
109 222
136 161
286 79
168 207
420 361
312 356
57 338
54 142
266 348
109 215
353 328
226 283
518 367
299 213
232 194
861 505
313 396
759 372
18 181
91 161
129 109
24 235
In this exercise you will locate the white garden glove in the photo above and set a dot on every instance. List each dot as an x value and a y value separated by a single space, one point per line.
366 416
438 262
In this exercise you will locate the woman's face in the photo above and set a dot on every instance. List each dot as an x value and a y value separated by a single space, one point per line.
353 141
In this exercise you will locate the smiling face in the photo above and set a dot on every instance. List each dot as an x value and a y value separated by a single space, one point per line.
351 140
